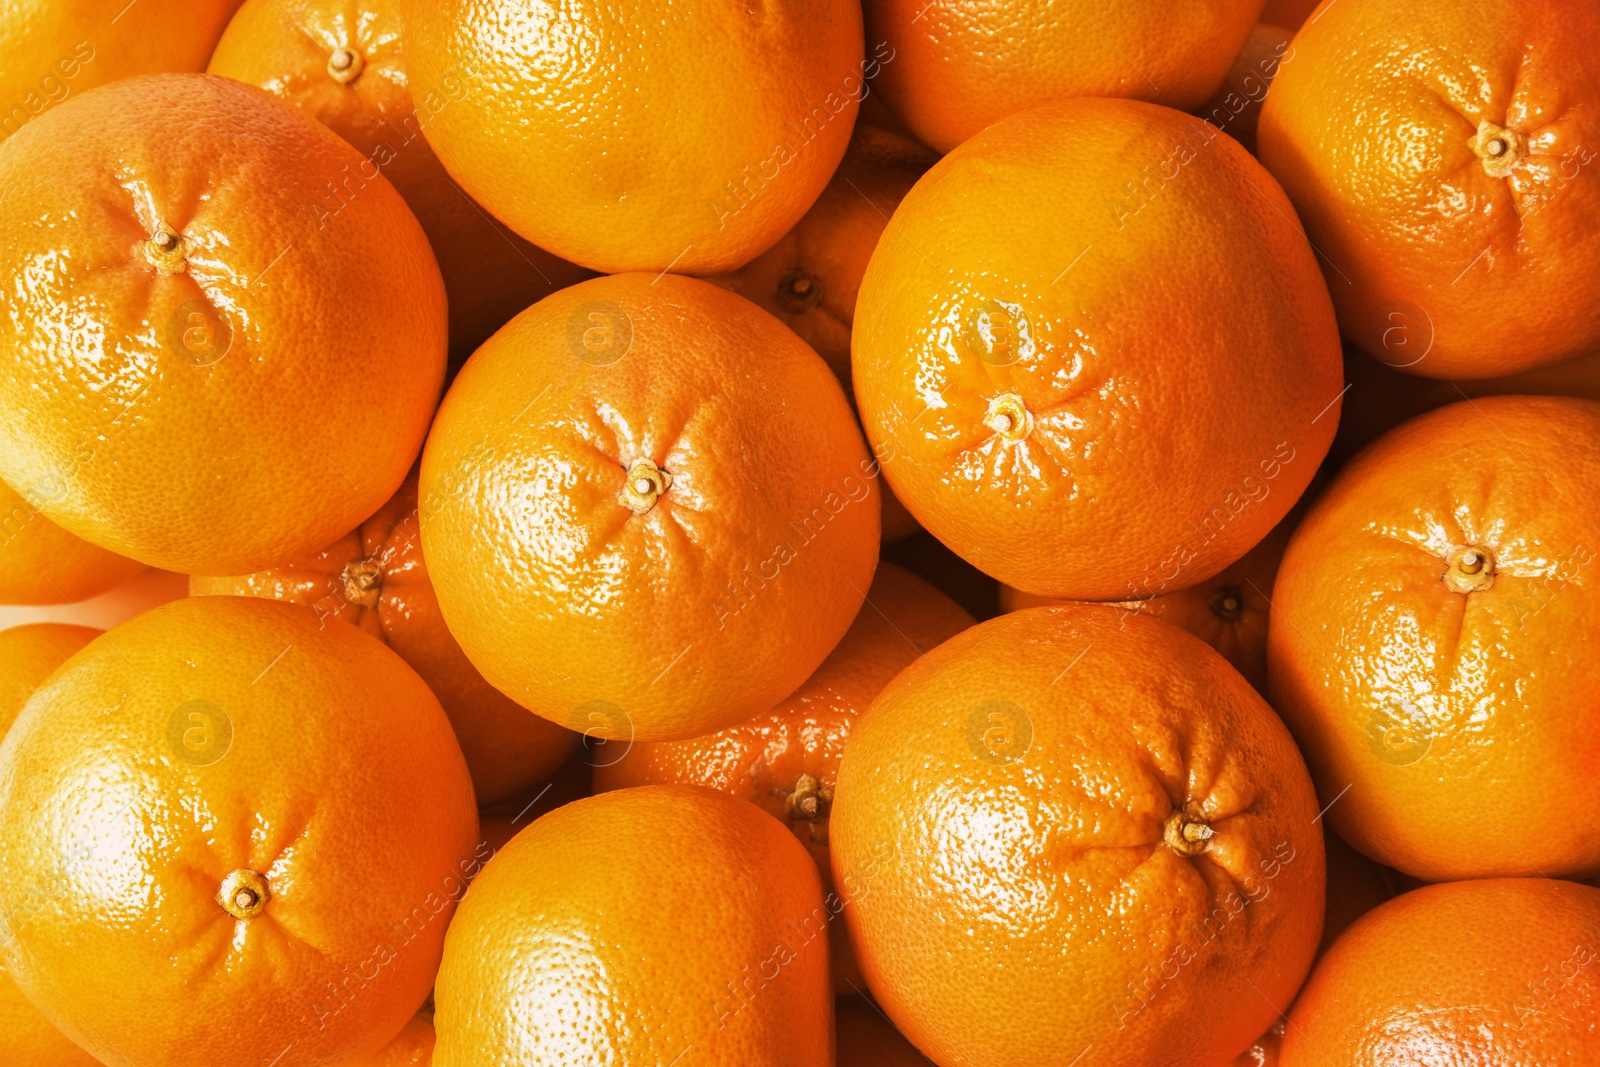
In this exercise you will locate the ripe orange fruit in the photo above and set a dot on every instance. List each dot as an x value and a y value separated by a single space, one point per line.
1443 159
647 509
1092 816
55 49
210 411
413 1048
657 925
1356 885
40 563
1014 368
1429 641
1491 972
341 64
1266 1051
1235 108
951 69
786 761
809 279
867 1039
181 815
1381 398
28 655
375 578
498 823
1228 612
663 134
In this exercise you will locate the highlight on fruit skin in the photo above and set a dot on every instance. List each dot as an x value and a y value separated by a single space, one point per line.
40 563
680 610
1425 644
1447 178
195 418
1087 813
1018 373
220 838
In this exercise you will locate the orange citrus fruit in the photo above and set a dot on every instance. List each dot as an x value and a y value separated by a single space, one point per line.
40 563
341 64
786 760
375 578
1266 1051
51 50
413 1048
647 509
201 806
1500 971
1290 14
867 1038
1088 819
500 822
211 411
29 655
1229 612
1381 398
1356 885
663 134
1014 367
1235 108
668 924
950 69
1429 637
1443 157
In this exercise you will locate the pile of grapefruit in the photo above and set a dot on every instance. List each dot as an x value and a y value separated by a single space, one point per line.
693 533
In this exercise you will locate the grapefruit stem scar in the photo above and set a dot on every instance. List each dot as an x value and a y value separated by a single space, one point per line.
345 65
1009 417
164 249
1186 834
643 486
1468 569
363 582
244 894
809 800
1500 149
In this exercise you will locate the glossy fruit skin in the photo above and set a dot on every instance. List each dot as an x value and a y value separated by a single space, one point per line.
663 134
285 47
637 927
51 50
1443 259
1235 108
119 826
1110 489
729 588
375 578
40 563
1479 972
1442 715
867 1039
988 823
1229 612
28 655
960 66
142 431
828 249
786 761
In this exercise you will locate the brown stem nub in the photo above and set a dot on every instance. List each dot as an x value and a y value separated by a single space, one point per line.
1499 149
1186 834
799 290
363 582
809 801
244 894
1468 569
1226 604
345 65
1009 417
643 486
165 250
